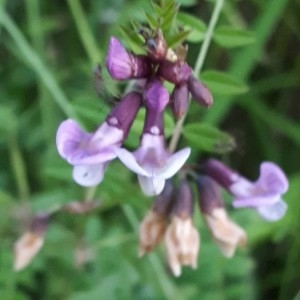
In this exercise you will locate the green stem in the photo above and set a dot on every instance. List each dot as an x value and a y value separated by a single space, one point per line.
19 168
36 64
198 66
85 33
166 285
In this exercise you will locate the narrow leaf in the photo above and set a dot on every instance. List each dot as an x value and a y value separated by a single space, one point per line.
195 25
231 37
222 83
205 137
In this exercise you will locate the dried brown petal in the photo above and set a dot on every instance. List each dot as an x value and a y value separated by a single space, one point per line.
227 234
182 242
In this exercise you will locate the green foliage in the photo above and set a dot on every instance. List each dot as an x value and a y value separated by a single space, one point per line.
205 137
222 83
231 37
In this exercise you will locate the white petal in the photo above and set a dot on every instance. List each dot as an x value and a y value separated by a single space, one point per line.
273 212
88 175
107 135
151 185
129 160
174 163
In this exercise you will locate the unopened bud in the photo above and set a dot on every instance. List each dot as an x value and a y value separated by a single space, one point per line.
123 65
175 72
179 100
200 92
156 96
156 47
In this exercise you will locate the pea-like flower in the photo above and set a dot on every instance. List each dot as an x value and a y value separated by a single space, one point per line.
265 194
123 65
89 153
152 161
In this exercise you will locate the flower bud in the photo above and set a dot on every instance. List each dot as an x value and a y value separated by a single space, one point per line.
156 47
179 100
123 65
200 92
156 96
175 72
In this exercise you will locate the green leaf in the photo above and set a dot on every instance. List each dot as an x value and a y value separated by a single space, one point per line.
187 2
197 27
222 83
231 37
205 137
177 38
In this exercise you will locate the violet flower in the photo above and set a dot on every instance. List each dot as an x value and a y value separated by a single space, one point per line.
156 96
264 194
152 161
89 153
123 65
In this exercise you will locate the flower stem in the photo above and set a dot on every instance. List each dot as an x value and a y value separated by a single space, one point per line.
198 66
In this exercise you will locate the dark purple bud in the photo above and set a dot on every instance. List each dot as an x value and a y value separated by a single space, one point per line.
210 196
184 200
154 122
123 115
156 96
39 223
219 172
156 47
200 92
179 100
175 72
123 65
163 202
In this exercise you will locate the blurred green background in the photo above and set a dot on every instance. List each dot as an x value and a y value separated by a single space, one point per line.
47 52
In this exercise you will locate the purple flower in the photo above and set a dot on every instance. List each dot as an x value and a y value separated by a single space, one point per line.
156 96
175 72
89 153
179 100
152 161
264 194
200 92
123 65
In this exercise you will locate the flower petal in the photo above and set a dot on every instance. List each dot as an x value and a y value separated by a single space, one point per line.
173 163
69 136
256 200
106 136
151 185
272 178
129 160
88 175
83 157
273 212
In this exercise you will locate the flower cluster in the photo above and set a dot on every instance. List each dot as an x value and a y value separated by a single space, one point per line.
90 153
170 217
